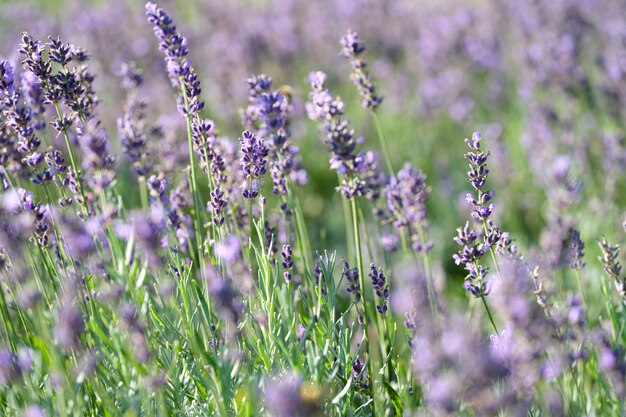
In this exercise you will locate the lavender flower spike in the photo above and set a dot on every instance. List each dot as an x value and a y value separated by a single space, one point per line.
381 288
351 49
253 163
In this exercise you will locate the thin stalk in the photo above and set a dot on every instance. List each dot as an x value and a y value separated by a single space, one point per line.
580 286
193 183
383 143
359 259
346 215
493 323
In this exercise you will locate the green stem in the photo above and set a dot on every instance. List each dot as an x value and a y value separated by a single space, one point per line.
193 180
359 259
383 143
493 323
580 286
346 215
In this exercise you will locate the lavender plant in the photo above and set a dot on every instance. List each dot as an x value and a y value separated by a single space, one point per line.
153 264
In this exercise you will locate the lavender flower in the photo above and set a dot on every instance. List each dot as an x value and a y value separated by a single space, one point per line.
171 43
492 237
481 205
132 125
352 49
182 75
609 257
253 163
577 248
287 258
471 252
352 276
359 171
97 160
268 112
407 196
359 374
318 274
217 206
69 327
381 288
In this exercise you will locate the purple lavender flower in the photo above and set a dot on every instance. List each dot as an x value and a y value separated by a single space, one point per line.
360 171
69 327
97 160
268 113
381 288
287 258
352 276
352 49
577 248
171 43
318 273
217 206
471 252
407 196
609 258
132 125
482 207
253 163
492 237
359 374
7 86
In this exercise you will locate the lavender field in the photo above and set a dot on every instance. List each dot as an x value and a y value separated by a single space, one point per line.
296 208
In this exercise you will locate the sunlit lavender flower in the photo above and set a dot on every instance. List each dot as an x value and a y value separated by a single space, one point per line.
20 117
352 49
182 75
477 176
359 171
472 250
253 163
171 43
268 113
493 239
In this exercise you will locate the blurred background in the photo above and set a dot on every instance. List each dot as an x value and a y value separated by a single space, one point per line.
542 81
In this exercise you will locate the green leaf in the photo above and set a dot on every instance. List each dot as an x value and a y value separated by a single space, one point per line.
395 398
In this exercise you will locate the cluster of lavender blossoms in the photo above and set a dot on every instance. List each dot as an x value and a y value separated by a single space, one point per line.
268 113
359 171
170 283
406 197
475 244
253 163
352 49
